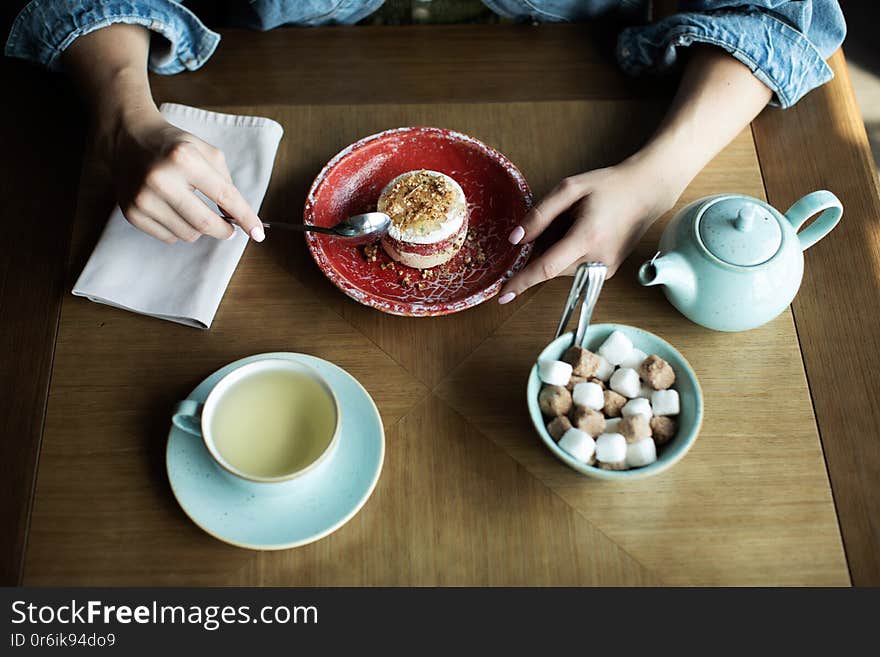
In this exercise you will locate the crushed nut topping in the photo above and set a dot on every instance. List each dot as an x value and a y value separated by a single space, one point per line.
418 201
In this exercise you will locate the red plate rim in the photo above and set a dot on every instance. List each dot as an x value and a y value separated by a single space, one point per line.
426 310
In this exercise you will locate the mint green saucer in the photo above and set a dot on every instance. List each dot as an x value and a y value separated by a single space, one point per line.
319 503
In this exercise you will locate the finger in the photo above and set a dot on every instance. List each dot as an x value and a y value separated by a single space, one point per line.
215 158
155 207
149 225
193 211
204 178
561 198
549 265
610 271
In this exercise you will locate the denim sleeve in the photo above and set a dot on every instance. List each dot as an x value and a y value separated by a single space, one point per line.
784 43
44 28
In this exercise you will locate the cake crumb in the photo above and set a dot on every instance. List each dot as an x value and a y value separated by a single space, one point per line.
371 252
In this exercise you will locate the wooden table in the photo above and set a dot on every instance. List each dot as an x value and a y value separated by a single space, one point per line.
468 495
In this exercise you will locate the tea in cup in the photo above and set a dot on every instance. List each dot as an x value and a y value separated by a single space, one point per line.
266 422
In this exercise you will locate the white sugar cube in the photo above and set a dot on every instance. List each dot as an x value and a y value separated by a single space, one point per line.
578 443
611 448
665 402
611 424
637 406
588 394
626 382
634 359
554 372
616 348
641 453
605 369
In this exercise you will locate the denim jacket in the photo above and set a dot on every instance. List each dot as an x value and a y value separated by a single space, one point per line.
783 42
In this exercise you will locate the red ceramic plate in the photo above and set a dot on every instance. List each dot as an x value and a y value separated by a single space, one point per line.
497 194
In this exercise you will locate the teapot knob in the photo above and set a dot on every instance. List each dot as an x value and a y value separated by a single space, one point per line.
746 218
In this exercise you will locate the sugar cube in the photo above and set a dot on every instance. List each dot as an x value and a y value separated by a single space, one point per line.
578 444
611 424
663 429
554 372
665 402
626 382
590 395
558 426
634 359
637 406
604 369
611 448
641 453
616 348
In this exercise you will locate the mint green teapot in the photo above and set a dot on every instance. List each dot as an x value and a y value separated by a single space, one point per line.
732 262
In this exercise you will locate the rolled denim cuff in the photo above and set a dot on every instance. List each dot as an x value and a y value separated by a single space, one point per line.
45 28
779 56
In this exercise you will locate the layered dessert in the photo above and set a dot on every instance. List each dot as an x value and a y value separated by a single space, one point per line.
429 220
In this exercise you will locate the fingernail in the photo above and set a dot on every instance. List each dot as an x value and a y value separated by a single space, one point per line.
515 237
258 234
506 298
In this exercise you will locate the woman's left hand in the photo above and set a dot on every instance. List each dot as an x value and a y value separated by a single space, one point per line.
612 207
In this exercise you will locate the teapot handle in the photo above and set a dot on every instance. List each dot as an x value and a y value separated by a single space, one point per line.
822 201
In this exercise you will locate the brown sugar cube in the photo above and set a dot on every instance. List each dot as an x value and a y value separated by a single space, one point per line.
634 428
656 372
592 460
558 426
574 380
613 403
598 382
554 400
614 466
583 362
663 428
587 420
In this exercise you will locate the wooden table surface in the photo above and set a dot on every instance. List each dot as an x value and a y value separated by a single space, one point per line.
467 495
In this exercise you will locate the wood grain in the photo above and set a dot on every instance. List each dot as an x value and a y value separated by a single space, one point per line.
103 510
750 504
821 144
43 131
467 495
40 172
416 64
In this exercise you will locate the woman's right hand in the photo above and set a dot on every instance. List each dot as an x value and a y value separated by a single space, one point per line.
157 169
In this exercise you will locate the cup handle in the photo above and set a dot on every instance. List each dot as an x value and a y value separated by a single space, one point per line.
188 416
822 201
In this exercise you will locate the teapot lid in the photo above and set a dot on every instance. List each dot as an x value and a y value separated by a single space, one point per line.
739 232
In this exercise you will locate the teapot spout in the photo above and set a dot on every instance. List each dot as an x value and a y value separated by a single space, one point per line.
673 271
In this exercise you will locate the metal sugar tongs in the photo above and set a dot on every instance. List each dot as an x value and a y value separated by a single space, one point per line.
588 281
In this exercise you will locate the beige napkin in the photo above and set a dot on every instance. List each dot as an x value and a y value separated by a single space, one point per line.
183 282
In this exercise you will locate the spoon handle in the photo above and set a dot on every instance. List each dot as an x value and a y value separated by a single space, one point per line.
587 283
574 295
300 228
596 272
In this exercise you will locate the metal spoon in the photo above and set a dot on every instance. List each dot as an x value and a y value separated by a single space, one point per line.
358 229
366 227
588 281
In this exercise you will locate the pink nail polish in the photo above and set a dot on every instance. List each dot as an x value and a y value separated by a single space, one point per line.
506 298
516 235
258 234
